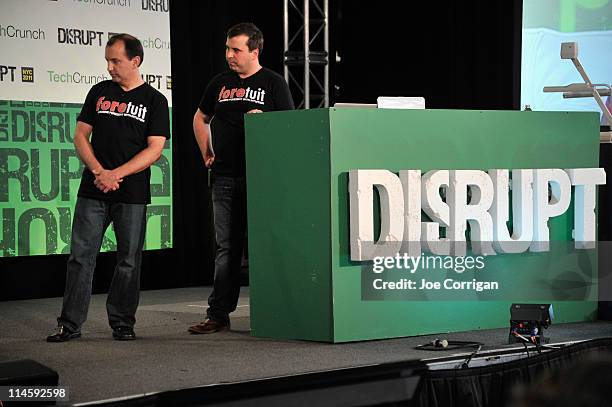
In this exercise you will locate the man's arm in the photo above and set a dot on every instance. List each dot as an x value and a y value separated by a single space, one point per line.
85 152
83 147
139 162
202 135
282 96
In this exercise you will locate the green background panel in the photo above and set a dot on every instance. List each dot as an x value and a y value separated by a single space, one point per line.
289 225
38 137
307 158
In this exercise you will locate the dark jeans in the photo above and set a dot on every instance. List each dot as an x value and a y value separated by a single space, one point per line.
91 218
229 206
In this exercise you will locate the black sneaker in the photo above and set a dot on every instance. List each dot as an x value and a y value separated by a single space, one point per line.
63 334
124 333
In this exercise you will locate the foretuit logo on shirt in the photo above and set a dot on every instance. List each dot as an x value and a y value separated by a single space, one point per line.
121 109
242 94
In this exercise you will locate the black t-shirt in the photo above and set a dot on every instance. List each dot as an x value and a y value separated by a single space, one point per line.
226 99
121 122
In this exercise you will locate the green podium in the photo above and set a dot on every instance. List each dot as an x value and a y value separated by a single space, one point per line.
303 284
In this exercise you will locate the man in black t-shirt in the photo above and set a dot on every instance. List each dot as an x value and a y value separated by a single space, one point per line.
128 122
219 129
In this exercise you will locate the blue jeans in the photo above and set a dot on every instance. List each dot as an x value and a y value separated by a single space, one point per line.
229 207
91 218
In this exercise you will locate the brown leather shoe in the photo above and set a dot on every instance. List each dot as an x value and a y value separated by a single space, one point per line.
208 327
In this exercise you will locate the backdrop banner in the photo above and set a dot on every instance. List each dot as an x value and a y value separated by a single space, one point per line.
52 54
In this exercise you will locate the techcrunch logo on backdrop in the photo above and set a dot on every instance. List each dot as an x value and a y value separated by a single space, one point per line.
116 3
161 6
21 33
155 43
148 42
80 36
75 77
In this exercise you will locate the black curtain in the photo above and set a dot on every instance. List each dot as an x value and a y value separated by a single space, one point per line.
458 55
495 385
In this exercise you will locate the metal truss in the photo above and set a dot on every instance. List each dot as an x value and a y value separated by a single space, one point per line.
306 62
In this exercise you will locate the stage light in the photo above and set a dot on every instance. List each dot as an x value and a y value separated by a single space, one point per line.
528 321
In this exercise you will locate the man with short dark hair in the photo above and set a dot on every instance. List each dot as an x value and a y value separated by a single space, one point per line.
219 130
128 122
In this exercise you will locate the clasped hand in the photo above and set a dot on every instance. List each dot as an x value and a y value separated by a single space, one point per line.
106 180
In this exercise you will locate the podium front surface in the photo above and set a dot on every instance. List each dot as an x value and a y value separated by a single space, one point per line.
303 283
